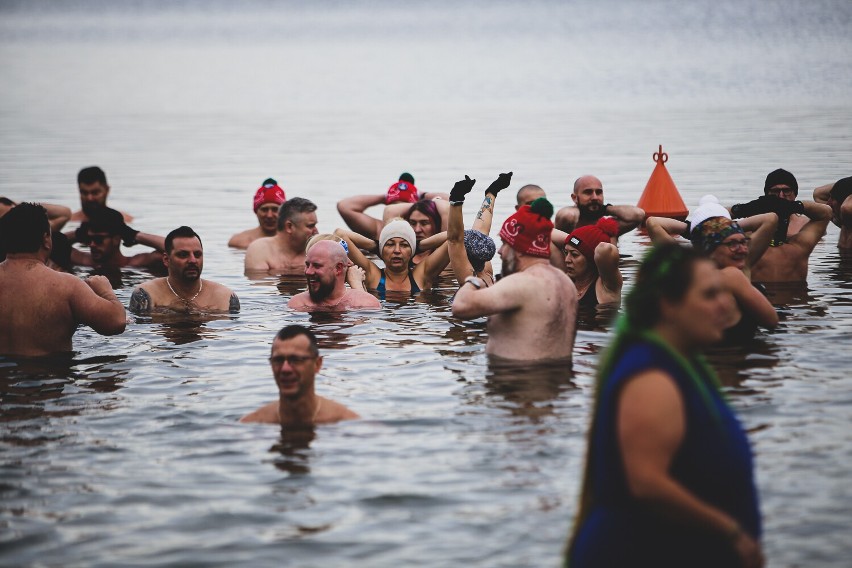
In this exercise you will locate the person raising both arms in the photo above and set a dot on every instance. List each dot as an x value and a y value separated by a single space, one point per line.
103 233
396 248
591 261
41 308
471 250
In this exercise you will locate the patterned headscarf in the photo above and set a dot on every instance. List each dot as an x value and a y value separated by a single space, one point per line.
710 233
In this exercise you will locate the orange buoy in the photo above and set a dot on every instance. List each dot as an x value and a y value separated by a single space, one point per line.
661 197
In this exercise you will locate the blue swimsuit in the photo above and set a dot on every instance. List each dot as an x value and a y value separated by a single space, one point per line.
381 287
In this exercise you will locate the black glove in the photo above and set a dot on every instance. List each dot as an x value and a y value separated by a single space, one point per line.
460 189
128 235
767 204
502 182
81 235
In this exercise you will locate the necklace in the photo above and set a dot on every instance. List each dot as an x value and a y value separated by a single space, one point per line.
179 297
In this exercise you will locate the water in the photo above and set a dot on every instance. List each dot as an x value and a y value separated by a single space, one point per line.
130 453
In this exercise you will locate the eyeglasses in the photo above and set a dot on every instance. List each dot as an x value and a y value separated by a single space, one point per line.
293 360
780 190
732 245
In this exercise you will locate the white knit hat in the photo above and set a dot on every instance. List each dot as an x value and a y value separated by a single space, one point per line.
708 207
397 228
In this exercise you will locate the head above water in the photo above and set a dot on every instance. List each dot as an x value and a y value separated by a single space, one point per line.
292 209
181 232
586 238
23 228
424 217
528 230
710 233
480 248
527 194
106 220
268 192
397 228
781 183
93 187
291 331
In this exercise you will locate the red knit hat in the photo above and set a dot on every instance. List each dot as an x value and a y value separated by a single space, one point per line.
528 230
269 192
586 239
402 191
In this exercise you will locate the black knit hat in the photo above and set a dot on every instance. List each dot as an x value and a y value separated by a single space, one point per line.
781 177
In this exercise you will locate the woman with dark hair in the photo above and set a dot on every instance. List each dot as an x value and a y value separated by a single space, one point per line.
668 479
591 261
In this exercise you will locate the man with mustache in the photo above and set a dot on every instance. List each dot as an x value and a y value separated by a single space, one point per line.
589 206
326 266
93 187
295 362
183 290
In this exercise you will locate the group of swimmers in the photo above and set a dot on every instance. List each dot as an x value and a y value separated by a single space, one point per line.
654 391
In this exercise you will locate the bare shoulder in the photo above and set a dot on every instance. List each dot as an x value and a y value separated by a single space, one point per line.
362 299
243 239
299 301
266 414
334 411
144 259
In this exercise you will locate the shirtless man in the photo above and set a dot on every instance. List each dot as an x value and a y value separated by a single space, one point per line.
589 206
183 290
788 261
397 200
285 252
94 190
104 232
779 184
267 200
532 310
326 267
295 361
39 307
838 196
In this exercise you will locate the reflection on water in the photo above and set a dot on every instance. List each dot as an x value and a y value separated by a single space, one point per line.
293 448
181 328
529 388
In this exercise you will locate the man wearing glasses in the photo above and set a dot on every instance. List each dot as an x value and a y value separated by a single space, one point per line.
801 225
295 362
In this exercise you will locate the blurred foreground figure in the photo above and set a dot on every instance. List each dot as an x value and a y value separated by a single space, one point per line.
669 476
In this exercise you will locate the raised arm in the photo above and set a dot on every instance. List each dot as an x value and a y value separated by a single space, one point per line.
156 242
808 237
93 303
352 209
628 216
663 229
428 270
433 242
455 230
372 272
762 228
606 259
58 215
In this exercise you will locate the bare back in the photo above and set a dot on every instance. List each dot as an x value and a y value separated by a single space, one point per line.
41 308
544 325
270 254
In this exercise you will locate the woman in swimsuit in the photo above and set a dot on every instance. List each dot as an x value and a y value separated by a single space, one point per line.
591 261
725 242
397 243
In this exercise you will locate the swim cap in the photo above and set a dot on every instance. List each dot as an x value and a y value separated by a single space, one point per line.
528 230
397 228
781 177
708 207
269 192
586 239
401 191
480 248
842 189
710 233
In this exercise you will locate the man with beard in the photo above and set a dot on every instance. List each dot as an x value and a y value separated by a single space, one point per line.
325 271
183 290
94 190
285 252
103 233
295 362
532 310
589 206
40 309
267 200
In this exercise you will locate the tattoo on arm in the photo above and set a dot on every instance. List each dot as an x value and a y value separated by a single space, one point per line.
140 301
234 304
487 203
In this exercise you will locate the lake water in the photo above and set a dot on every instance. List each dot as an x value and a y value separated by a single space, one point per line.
130 452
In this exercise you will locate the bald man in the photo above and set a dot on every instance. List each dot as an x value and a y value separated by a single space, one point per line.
589 206
326 265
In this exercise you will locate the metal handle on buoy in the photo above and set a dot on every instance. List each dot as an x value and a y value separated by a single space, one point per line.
661 156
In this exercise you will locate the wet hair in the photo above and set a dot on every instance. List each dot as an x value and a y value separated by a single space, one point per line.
290 209
22 229
181 232
60 254
91 175
106 220
291 331
428 208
